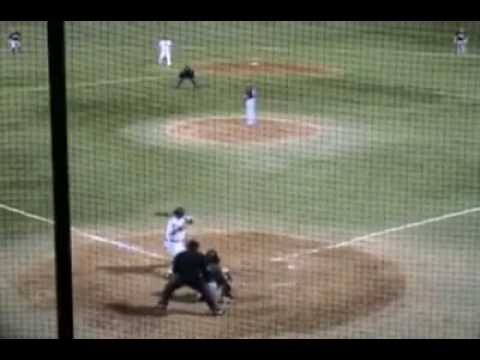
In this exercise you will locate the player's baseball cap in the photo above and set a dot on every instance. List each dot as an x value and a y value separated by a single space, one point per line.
179 212
212 256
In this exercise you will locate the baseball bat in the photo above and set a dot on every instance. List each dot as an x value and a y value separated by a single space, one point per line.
163 214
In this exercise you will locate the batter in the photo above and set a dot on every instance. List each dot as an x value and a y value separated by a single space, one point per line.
176 233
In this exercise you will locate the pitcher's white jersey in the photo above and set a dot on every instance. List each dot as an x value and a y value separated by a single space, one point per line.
251 107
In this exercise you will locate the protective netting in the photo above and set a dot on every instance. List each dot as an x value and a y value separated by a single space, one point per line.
26 234
334 167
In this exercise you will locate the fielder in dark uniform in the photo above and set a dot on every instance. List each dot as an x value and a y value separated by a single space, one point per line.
186 74
190 269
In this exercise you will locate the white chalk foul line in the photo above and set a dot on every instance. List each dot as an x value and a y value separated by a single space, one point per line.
369 237
117 244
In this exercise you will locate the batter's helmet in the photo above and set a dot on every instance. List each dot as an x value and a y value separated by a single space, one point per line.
179 212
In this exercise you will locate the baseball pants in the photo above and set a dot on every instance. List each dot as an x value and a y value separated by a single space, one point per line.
176 282
165 56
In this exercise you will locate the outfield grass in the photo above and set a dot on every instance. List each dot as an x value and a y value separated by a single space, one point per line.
409 105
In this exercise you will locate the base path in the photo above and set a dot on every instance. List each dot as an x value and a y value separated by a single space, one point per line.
257 67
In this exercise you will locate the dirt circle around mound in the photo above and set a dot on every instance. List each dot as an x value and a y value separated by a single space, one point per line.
227 130
259 68
116 291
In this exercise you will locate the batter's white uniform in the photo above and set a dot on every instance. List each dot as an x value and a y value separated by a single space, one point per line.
175 236
165 47
251 107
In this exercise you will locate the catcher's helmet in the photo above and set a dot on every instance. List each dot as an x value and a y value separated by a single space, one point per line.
179 212
212 256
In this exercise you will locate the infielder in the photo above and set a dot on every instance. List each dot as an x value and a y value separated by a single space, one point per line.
186 74
176 233
250 101
165 52
15 42
460 40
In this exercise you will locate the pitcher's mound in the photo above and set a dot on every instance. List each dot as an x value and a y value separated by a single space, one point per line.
235 131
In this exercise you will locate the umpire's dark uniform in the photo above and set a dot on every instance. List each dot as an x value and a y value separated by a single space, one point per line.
190 269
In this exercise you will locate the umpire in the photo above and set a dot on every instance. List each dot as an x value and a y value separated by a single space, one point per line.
186 74
190 269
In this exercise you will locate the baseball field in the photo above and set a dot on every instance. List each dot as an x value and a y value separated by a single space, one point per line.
351 211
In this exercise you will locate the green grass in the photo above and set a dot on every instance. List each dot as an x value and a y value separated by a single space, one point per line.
418 112
412 104
421 108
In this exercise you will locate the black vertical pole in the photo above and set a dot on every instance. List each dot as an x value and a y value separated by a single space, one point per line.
58 126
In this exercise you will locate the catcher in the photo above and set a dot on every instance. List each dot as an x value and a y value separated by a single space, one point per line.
217 278
186 74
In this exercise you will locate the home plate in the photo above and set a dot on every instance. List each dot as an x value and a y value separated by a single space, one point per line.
254 63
